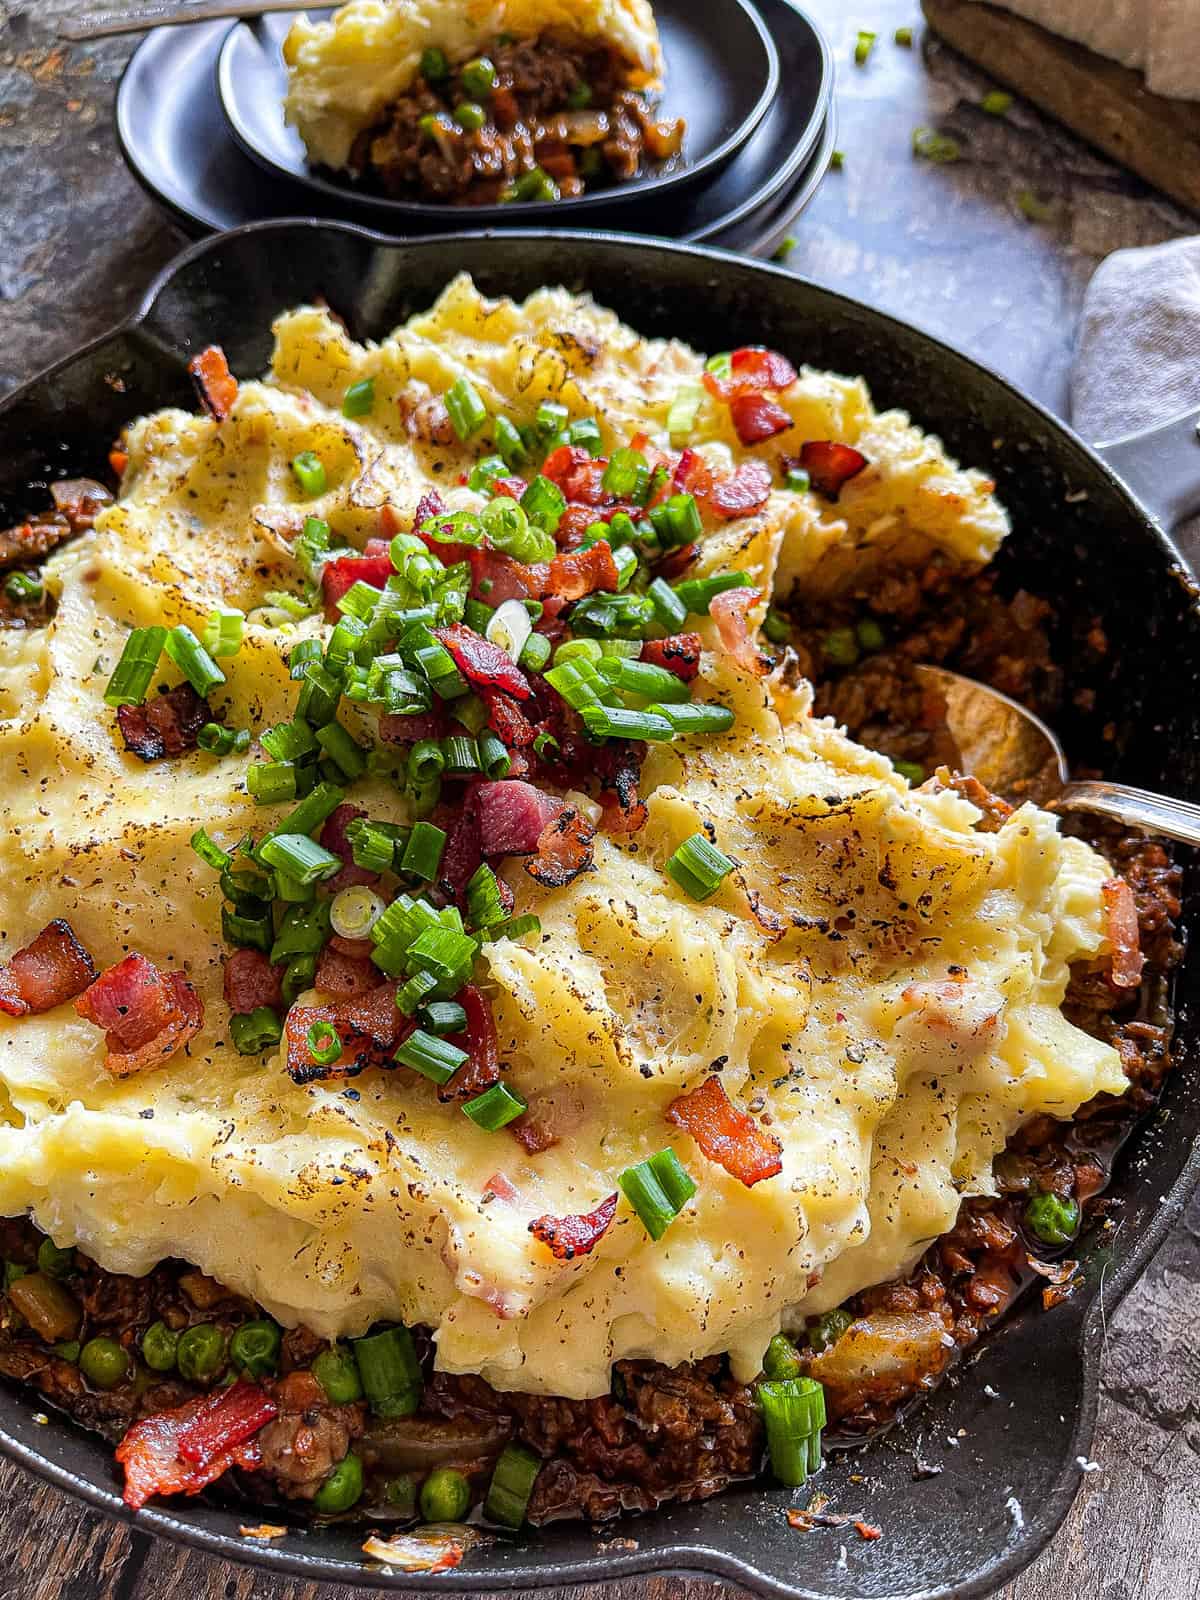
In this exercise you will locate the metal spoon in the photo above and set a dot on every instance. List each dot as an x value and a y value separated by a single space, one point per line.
1014 754
166 13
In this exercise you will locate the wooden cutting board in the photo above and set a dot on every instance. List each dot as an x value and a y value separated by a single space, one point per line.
1106 104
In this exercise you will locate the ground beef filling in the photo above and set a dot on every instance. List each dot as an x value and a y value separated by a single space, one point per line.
559 118
685 1433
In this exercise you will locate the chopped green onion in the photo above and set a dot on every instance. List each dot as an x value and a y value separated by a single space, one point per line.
929 145
359 399
309 473
573 684
304 651
669 609
288 741
477 615
193 660
484 473
627 475
720 365
423 852
781 1358
299 856
303 932
426 760
1033 209
695 716
272 782
434 1058
509 528
619 722
551 418
324 1043
495 1108
536 184
996 103
320 692
585 432
454 527
625 560
390 1372
509 442
343 750
470 116
657 1189
904 37
292 604
22 588
312 547
354 912
863 47
578 650
793 1411
434 65
437 664
796 479
211 854
298 977
697 594
516 929
471 713
494 759
373 844
643 678
544 503
445 953
511 1487
137 666
698 867
840 647
534 653
441 1017
253 1032
217 740
246 931
223 631
613 613
413 994
360 601
467 410
681 418
485 905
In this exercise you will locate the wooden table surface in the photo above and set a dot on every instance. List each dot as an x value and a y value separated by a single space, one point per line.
945 246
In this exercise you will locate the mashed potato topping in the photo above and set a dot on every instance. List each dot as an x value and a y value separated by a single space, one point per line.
344 71
876 982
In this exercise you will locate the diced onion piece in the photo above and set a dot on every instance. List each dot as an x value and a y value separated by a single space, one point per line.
354 911
509 626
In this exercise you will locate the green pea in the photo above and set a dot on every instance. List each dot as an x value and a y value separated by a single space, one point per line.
68 1351
159 1347
342 1488
336 1371
841 647
254 1348
1051 1218
912 770
777 627
445 1496
870 635
55 1263
782 1359
828 1328
478 78
470 116
200 1352
104 1363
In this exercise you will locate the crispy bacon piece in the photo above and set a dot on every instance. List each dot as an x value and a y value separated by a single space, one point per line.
568 1237
745 491
679 653
216 386
166 726
579 572
676 562
509 723
183 1451
370 1028
572 525
753 370
464 847
565 848
408 728
577 473
496 577
482 1067
727 1135
756 418
692 473
340 575
345 977
513 816
624 812
830 465
484 665
533 1135
730 612
148 1015
50 969
251 981
1123 935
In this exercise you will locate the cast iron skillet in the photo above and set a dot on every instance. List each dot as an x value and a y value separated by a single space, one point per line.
1081 538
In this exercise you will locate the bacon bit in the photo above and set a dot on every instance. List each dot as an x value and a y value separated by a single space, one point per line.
578 474
868 1530
251 981
482 1068
753 370
692 474
147 1015
513 816
428 420
725 1134
166 726
52 968
351 947
509 723
572 525
580 572
568 1237
485 666
730 611
958 1008
216 386
369 1028
756 418
624 812
118 460
1123 933
339 576
533 1136
464 847
501 1187
430 505
345 977
676 562
678 653
565 848
183 1451
830 465
408 727
80 500
496 577
747 490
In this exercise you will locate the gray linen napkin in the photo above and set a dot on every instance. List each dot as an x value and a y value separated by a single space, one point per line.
1137 361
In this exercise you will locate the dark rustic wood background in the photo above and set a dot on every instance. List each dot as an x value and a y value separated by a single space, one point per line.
946 246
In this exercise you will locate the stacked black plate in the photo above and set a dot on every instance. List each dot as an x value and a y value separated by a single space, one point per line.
200 120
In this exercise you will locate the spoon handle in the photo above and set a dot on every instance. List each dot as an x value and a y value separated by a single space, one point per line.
1177 819
164 13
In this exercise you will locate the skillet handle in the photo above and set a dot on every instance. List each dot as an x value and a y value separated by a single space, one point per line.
1161 466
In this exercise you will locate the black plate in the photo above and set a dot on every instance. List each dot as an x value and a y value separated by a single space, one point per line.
762 233
177 141
955 1535
722 74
